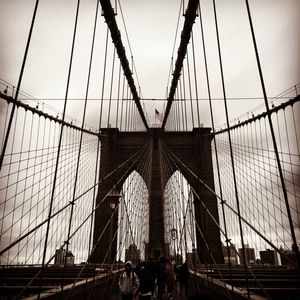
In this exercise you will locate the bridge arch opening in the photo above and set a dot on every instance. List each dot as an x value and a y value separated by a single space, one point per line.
179 218
133 219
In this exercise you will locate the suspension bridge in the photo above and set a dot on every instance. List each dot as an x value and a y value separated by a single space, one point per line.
80 196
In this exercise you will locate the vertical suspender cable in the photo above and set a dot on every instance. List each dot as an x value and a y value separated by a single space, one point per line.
177 103
103 80
184 210
81 134
49 158
118 96
4 126
60 139
126 109
231 151
295 129
98 144
190 87
111 87
214 138
122 102
295 245
109 16
196 84
182 105
16 184
190 17
130 103
34 172
129 114
18 85
39 187
184 96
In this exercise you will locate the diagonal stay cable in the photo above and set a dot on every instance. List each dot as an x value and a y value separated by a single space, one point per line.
183 166
138 159
78 197
295 247
173 158
170 161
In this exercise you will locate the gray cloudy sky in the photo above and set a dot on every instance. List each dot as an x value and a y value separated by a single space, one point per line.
151 27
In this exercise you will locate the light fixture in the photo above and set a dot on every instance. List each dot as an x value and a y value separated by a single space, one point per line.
113 198
174 233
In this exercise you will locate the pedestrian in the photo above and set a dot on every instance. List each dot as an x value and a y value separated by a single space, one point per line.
176 270
170 278
128 282
138 267
160 278
183 273
147 282
152 269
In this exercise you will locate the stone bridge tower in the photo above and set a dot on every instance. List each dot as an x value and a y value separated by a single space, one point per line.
193 149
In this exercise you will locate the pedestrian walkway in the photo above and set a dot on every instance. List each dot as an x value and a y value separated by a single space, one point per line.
176 296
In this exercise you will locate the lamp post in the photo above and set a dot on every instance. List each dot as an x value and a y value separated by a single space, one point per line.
113 201
174 237
174 234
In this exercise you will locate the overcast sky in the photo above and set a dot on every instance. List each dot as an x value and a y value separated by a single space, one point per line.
151 28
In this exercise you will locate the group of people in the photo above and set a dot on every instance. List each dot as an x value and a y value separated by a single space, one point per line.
149 279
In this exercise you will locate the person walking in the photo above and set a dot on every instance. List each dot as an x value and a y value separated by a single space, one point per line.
147 282
160 278
170 278
183 273
128 282
152 269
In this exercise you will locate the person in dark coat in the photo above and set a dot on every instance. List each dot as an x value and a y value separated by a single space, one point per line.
183 273
152 269
160 277
170 278
147 282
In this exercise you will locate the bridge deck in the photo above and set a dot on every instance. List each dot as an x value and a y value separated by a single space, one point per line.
176 296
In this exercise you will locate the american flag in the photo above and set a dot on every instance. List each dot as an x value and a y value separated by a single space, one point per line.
159 116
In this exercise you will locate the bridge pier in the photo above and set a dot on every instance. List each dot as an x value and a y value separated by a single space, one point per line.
194 152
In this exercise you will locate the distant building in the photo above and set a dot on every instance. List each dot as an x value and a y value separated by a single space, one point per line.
133 254
249 253
233 257
60 256
287 257
269 257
